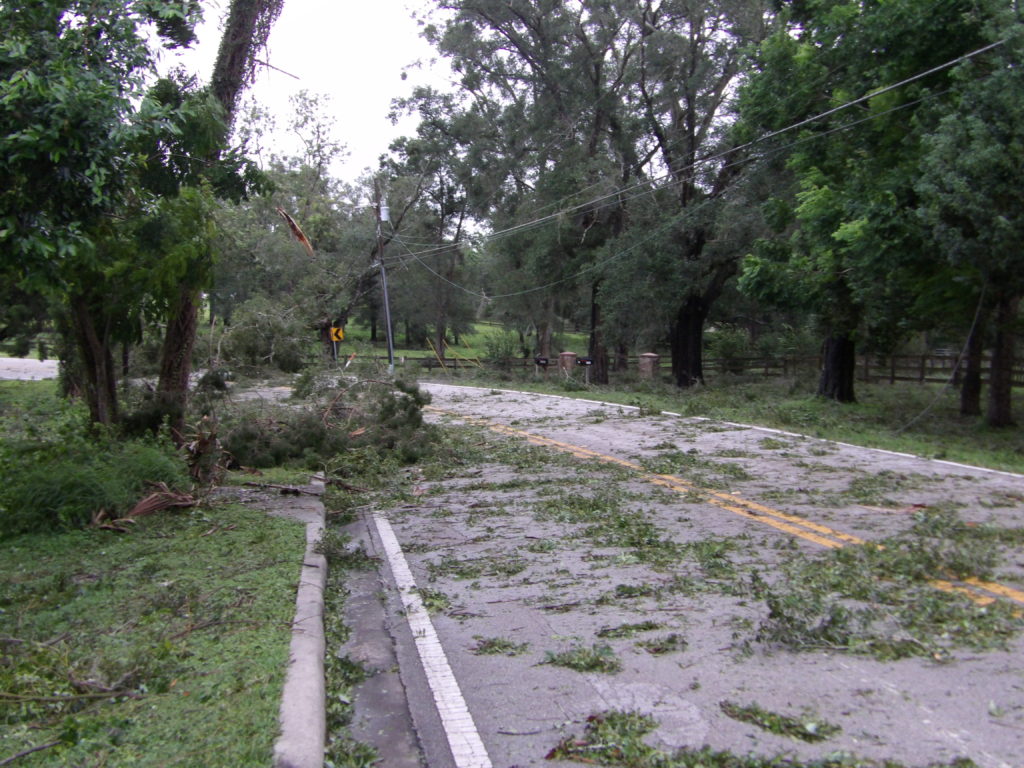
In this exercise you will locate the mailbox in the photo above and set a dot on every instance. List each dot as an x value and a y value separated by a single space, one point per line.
541 361
585 361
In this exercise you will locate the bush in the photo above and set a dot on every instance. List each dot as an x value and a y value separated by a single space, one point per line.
730 345
47 486
502 347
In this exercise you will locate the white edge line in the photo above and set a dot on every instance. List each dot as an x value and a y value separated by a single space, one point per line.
466 745
769 430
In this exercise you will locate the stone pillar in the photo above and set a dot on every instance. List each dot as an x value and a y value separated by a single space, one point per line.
567 362
649 365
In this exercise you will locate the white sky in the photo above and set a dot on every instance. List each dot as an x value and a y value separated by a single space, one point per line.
353 51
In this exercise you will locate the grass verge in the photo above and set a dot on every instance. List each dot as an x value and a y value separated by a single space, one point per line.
166 646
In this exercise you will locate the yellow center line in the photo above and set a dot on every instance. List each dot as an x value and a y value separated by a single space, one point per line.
948 586
808 530
815 532
997 589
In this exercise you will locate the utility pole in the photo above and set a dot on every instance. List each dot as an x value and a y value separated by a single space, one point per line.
383 214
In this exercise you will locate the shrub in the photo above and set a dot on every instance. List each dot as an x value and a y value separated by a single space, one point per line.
503 346
47 486
730 345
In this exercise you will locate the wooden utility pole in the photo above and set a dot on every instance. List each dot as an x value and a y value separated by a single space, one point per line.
384 215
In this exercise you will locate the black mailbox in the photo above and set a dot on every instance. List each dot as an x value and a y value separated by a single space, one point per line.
541 361
584 361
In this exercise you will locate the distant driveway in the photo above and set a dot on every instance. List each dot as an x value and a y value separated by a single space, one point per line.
26 369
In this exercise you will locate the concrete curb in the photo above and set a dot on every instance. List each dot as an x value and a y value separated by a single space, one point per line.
303 714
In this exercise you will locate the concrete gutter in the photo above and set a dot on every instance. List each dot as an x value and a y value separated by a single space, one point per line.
303 714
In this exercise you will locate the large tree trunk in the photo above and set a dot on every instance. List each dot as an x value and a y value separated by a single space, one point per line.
596 349
621 357
94 347
441 336
686 333
245 32
323 330
176 361
545 329
838 368
686 340
970 387
1000 389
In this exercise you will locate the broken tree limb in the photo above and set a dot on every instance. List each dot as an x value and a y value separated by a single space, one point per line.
29 751
285 489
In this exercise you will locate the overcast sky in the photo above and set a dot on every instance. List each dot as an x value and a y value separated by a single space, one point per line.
353 52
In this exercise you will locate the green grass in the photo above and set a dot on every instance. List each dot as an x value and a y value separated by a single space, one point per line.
166 646
341 673
805 728
497 646
629 630
472 345
659 646
597 658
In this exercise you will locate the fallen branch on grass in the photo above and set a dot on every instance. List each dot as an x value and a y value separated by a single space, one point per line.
69 697
284 489
346 486
162 498
27 752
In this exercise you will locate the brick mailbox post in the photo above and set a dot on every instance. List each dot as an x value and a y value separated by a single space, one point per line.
567 362
649 365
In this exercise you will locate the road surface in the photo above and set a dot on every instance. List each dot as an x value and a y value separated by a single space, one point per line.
658 544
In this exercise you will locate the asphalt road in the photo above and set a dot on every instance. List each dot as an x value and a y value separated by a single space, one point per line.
496 554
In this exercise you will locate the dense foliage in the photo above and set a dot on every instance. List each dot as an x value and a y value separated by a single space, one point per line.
666 175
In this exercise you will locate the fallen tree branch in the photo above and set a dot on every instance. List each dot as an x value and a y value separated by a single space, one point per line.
27 752
162 498
69 697
282 488
346 486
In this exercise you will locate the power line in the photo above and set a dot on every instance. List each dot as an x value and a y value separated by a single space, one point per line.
589 268
443 248
646 186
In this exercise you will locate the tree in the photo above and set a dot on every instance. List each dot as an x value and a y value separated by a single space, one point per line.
851 240
577 108
972 199
689 63
541 132
431 245
246 30
72 77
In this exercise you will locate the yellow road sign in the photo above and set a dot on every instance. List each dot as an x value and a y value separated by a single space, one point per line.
337 334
